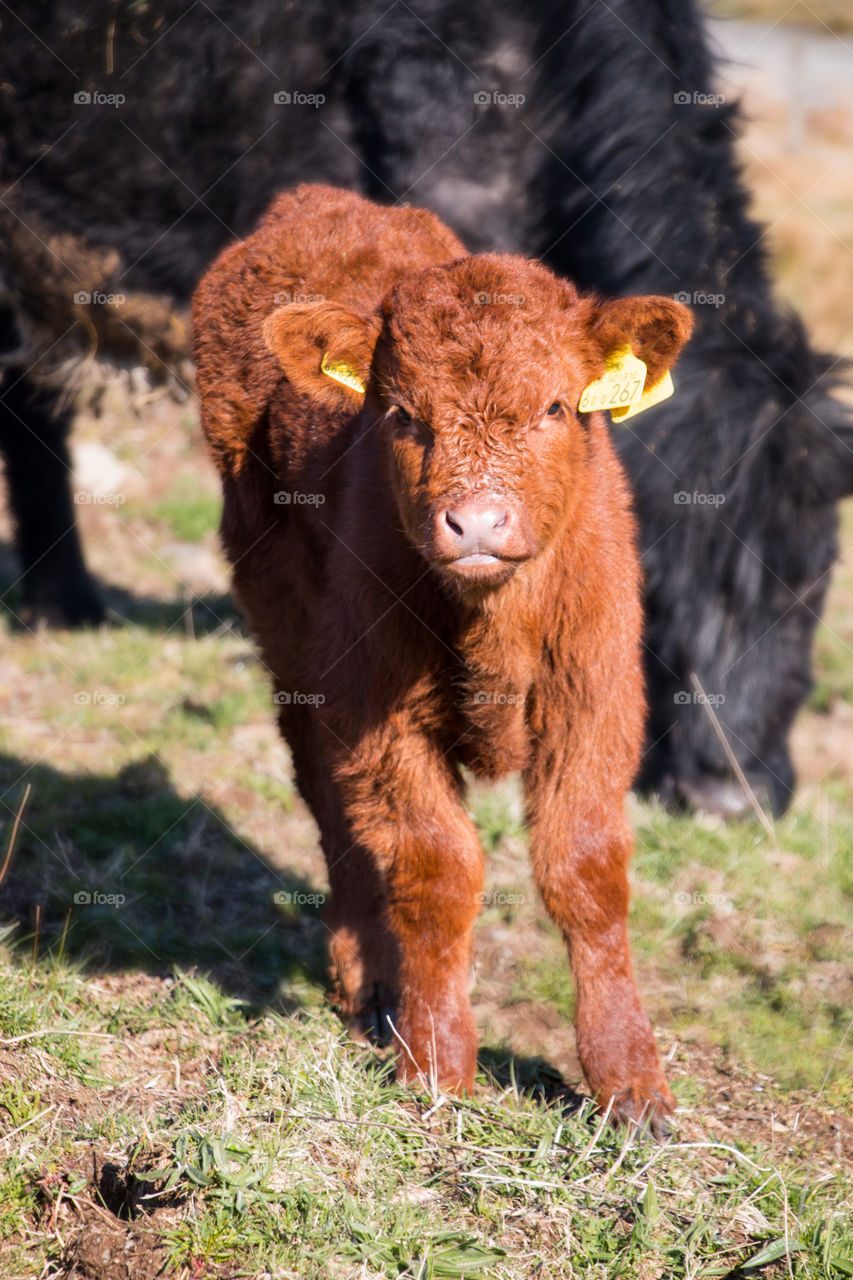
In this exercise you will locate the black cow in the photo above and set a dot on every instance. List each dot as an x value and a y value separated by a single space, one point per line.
584 132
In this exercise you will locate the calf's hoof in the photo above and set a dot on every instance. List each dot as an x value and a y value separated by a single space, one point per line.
369 1018
374 1025
443 1053
646 1110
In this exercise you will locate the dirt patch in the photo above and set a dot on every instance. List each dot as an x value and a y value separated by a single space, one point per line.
105 1232
736 1106
823 745
104 1250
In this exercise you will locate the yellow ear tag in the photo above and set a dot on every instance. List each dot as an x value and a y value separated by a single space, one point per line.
343 373
620 386
662 390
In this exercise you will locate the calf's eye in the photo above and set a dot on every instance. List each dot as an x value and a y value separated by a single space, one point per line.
408 427
554 409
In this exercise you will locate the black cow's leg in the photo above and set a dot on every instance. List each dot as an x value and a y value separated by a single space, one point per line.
55 584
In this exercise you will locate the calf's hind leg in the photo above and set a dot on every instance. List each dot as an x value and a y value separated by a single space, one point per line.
363 955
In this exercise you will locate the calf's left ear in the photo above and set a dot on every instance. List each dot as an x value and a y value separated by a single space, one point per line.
325 349
655 328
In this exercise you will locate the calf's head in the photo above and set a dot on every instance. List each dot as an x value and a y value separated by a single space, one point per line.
473 372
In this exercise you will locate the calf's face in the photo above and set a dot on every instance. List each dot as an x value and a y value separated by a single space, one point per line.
473 372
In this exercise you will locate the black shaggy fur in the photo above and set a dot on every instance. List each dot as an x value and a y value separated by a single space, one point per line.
602 171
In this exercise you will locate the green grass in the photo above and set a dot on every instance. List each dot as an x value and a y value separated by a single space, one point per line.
835 667
297 1155
750 934
764 924
497 811
188 511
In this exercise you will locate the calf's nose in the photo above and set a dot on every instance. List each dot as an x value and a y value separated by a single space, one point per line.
475 527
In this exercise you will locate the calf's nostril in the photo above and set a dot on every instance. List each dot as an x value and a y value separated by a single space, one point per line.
454 524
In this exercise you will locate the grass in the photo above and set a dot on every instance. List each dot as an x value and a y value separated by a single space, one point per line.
288 1151
188 512
834 670
177 1098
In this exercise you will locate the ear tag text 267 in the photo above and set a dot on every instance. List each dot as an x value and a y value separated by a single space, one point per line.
622 387
344 373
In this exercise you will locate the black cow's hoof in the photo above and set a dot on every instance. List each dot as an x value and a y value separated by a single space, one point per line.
76 606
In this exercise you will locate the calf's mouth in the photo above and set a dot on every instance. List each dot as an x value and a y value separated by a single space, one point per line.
479 538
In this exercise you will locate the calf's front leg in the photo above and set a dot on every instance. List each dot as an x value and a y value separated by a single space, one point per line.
580 859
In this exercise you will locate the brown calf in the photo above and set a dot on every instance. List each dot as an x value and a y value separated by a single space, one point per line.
440 572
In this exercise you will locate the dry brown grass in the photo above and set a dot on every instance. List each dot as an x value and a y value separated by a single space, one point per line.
834 15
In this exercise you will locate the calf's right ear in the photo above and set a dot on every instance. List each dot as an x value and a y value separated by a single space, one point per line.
325 349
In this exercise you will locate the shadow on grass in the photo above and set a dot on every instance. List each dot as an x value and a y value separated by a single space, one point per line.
532 1076
197 615
122 873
